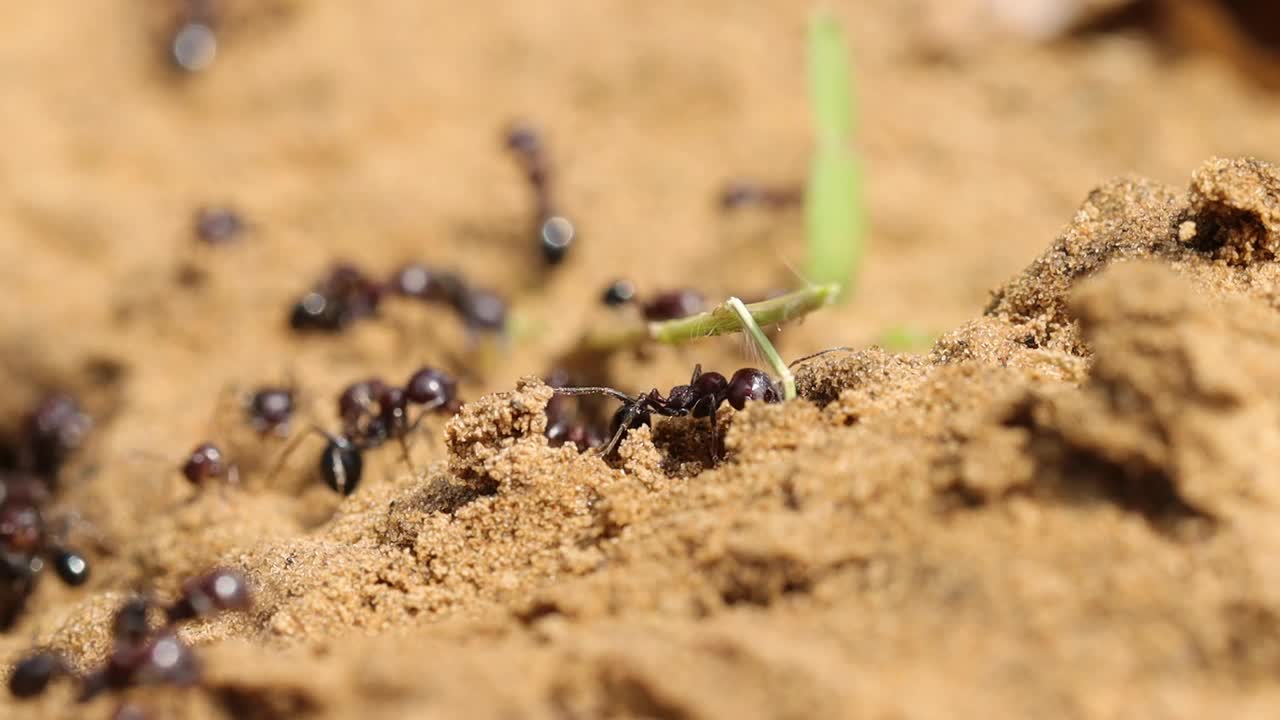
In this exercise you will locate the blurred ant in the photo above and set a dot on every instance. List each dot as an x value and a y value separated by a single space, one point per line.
55 429
214 225
744 193
140 655
555 232
669 305
479 308
270 409
342 297
26 543
564 423
373 413
702 397
194 44
207 461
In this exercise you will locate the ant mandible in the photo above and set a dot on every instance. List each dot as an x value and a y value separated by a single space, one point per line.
702 397
372 413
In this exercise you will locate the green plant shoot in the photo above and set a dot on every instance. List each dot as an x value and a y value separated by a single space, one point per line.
834 215
724 319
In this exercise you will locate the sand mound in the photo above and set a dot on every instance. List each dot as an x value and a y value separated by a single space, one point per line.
1069 505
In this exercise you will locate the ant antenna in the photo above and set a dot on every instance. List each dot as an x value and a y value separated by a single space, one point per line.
608 391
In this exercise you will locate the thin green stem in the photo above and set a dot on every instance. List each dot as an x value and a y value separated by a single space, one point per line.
721 320
766 347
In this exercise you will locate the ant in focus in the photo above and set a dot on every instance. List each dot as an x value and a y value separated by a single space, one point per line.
372 413
140 656
701 397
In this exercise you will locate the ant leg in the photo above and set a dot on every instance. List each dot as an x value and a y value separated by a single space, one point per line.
293 445
841 348
624 424
404 454
715 437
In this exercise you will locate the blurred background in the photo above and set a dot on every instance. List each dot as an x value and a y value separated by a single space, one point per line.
373 133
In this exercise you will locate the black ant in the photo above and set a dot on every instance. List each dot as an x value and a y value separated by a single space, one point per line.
55 429
26 543
480 309
215 225
668 305
373 413
270 409
744 193
555 232
140 656
702 397
342 297
564 422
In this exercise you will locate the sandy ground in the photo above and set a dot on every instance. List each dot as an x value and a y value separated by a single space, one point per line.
1063 508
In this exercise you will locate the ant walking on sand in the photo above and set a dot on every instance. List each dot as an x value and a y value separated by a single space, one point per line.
372 413
27 542
701 397
667 305
140 656
51 432
555 232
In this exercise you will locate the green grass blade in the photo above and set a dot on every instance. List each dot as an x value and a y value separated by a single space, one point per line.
830 95
834 215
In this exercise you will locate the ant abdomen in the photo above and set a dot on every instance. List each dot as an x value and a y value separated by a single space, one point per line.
33 673
341 465
206 461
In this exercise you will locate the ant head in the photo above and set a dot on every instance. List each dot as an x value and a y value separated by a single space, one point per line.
523 138
619 292
341 465
751 384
